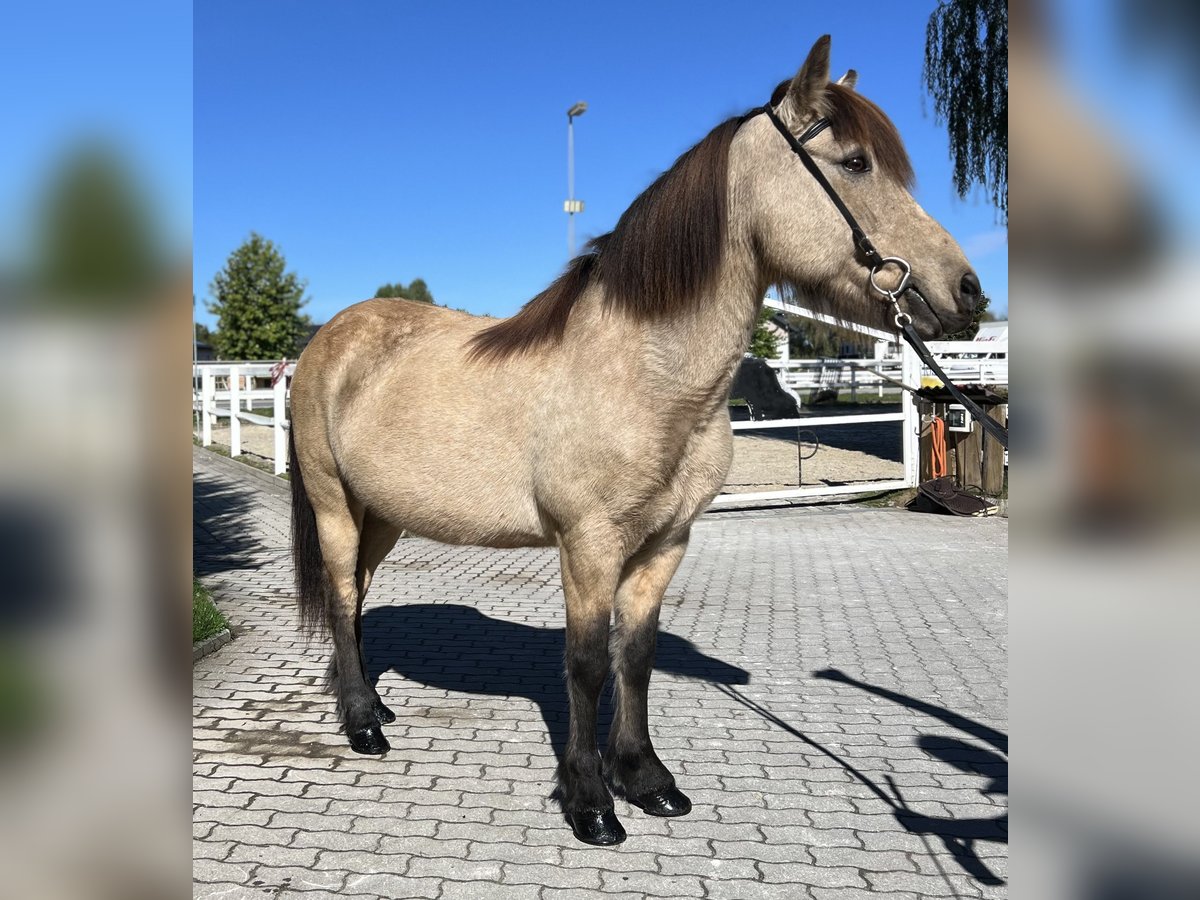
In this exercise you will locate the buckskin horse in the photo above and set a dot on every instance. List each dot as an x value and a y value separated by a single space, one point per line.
596 418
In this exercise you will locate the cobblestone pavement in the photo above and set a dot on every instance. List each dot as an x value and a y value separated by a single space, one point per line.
831 693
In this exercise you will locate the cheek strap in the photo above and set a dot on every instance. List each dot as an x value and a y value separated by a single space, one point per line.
861 241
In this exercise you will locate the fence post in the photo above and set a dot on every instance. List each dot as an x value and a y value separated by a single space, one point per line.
910 374
993 456
235 407
197 415
968 463
853 384
280 416
208 390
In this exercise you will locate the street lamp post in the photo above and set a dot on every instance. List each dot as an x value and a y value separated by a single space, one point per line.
572 206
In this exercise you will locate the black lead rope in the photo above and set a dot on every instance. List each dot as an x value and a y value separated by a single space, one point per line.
990 425
877 262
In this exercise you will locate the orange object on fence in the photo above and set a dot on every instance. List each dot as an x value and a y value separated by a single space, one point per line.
937 445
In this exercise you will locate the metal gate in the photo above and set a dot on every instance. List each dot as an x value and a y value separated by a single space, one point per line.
907 419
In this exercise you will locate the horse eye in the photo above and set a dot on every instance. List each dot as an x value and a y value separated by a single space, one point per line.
857 164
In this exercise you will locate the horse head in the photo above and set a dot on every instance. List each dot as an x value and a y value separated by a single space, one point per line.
803 239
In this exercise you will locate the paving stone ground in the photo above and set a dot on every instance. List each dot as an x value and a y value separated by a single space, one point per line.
830 691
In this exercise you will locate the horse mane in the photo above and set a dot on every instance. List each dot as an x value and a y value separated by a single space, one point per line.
664 251
667 247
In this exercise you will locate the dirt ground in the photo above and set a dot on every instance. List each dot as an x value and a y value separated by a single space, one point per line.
767 461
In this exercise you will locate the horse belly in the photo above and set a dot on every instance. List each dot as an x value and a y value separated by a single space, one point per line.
450 491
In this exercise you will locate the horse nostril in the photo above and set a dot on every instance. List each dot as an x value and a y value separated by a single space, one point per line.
969 289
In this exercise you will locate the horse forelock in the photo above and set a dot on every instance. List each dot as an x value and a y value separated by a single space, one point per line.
855 119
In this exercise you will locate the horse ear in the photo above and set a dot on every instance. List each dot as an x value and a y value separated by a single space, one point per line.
849 80
806 93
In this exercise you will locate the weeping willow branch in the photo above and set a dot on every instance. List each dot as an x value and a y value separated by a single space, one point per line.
966 73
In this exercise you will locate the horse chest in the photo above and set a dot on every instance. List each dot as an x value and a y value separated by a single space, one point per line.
688 479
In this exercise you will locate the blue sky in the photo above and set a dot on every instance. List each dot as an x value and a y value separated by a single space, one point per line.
117 73
384 141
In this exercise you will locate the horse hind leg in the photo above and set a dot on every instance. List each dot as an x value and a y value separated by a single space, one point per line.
339 527
629 760
377 540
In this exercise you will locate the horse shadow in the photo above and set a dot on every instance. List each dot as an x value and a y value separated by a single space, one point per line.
221 540
958 836
457 648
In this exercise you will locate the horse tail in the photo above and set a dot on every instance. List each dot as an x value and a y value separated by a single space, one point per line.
312 581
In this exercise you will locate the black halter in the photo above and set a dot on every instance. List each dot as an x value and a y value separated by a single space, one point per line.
878 263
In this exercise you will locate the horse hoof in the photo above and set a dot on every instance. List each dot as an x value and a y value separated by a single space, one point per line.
369 740
667 802
384 715
599 827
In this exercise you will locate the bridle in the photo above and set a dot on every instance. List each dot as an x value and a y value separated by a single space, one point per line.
878 263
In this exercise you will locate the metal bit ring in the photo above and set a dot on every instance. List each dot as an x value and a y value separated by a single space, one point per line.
906 274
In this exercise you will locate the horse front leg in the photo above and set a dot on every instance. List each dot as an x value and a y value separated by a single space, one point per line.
629 760
590 569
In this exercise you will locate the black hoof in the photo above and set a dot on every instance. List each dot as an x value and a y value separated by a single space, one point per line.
384 715
369 740
667 802
596 826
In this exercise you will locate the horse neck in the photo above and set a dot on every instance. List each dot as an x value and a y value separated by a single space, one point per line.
694 355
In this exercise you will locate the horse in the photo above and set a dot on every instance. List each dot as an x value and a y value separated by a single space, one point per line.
596 418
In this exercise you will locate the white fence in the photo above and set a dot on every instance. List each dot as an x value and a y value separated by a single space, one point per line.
230 390
909 373
227 390
964 362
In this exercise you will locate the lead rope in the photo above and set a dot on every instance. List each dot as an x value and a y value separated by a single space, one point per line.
990 425
937 447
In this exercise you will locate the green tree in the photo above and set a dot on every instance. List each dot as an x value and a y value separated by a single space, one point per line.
97 241
416 290
982 314
966 72
764 343
257 304
812 340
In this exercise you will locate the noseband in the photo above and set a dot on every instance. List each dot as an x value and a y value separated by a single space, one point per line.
878 263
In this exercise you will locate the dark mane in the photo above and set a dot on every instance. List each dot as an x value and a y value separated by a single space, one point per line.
543 319
663 253
666 248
